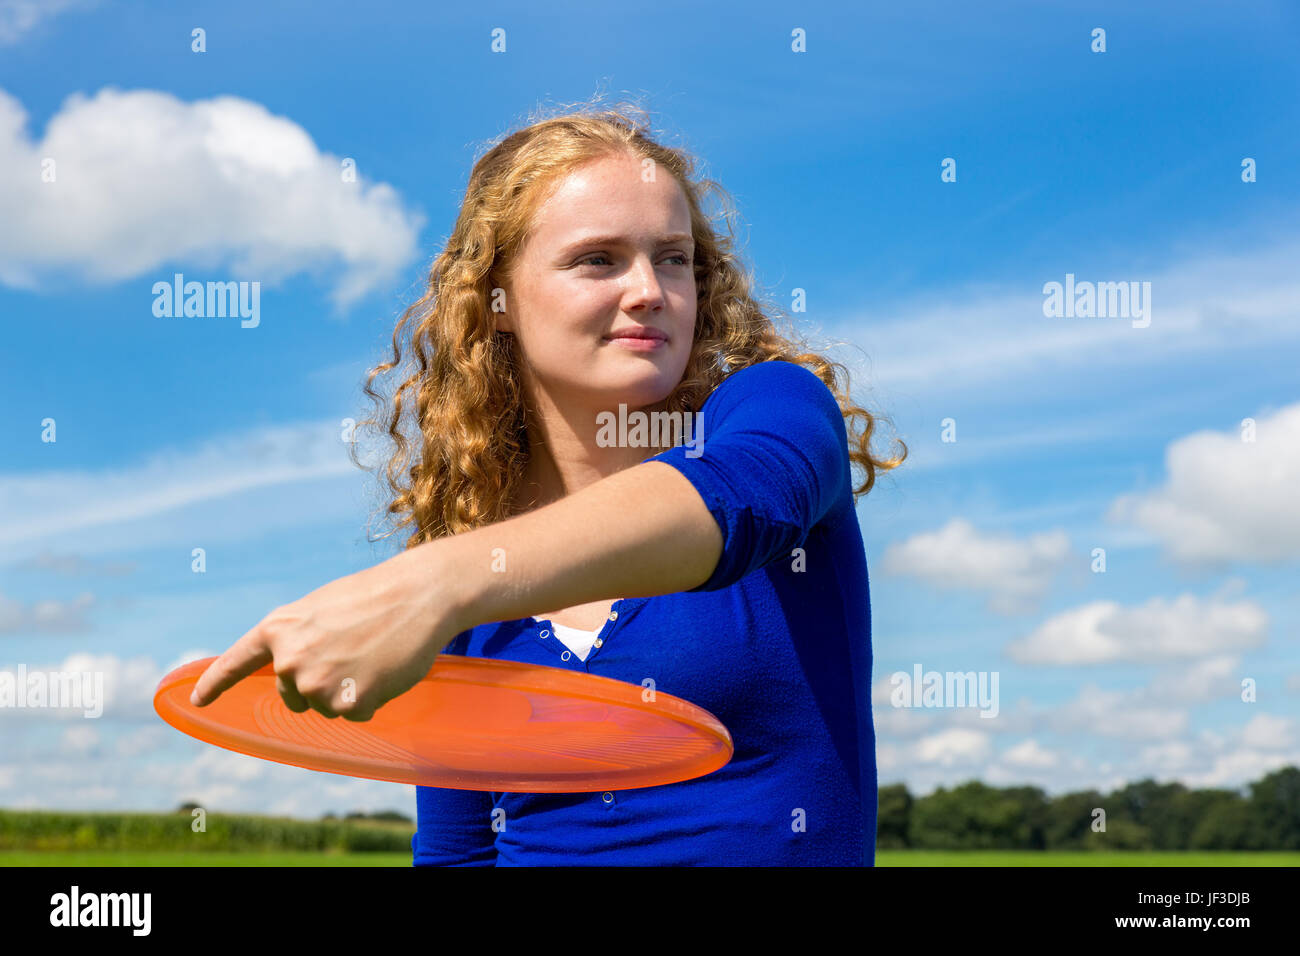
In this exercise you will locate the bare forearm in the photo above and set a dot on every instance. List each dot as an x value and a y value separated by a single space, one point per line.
639 533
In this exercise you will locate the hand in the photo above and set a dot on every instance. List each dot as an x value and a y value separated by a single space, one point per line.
382 628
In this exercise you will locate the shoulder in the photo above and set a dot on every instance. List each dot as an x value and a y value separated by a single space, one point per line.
775 372
777 387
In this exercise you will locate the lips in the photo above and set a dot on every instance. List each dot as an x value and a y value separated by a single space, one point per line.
639 332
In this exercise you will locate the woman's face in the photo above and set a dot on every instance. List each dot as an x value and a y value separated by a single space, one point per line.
609 253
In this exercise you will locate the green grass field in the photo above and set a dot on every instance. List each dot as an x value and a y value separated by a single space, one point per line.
883 858
1065 858
212 858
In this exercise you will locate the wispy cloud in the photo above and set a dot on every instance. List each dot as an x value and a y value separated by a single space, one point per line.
19 17
45 617
964 337
73 565
50 507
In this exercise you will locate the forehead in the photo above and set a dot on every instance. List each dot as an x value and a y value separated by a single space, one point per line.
611 193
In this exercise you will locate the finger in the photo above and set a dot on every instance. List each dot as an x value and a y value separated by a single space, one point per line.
317 700
243 657
362 714
322 707
358 716
289 694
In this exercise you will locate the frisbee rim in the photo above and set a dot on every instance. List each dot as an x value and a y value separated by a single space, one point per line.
464 670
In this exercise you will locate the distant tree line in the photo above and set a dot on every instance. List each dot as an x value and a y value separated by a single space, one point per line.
384 816
387 816
1141 816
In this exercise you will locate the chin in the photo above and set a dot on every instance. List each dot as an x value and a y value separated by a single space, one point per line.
640 386
652 393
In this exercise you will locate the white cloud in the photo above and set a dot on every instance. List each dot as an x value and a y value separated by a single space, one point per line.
1156 710
1238 767
129 684
956 555
955 746
1170 757
1147 737
1057 779
1269 732
127 687
147 184
1029 753
1200 682
1117 714
1265 743
888 758
1104 632
131 760
907 722
1225 499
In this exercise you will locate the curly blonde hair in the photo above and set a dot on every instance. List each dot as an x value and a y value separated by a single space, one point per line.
465 384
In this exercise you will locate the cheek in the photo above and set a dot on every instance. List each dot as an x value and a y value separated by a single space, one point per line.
579 306
556 313
689 317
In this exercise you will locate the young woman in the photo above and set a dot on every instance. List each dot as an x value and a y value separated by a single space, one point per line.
583 275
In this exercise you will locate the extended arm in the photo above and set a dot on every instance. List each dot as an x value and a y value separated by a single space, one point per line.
641 532
776 462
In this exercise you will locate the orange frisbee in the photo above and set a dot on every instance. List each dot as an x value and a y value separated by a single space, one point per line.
471 723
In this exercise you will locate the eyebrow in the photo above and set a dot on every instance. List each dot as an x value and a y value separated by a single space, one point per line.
621 240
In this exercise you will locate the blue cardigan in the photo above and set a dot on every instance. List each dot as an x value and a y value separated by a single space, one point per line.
776 645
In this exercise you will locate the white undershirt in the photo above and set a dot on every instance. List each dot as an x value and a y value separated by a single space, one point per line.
579 641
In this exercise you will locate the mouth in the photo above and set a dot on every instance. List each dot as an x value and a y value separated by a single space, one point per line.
643 334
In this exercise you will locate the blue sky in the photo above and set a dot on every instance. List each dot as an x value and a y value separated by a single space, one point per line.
1071 433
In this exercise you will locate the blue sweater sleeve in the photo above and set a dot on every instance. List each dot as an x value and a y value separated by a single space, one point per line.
770 460
454 827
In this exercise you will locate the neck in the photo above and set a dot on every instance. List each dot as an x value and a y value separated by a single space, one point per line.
564 456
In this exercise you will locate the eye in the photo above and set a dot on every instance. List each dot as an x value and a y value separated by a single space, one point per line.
684 260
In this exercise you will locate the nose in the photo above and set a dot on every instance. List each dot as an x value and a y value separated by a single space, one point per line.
642 289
